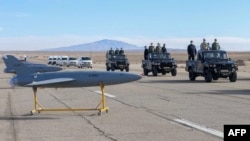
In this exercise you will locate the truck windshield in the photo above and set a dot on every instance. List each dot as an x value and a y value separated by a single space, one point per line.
159 56
215 55
86 58
119 56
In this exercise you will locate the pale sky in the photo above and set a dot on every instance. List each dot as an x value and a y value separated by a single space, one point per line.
42 24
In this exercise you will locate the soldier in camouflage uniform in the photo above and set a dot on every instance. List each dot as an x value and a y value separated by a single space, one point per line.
151 48
121 51
158 48
111 52
203 45
215 45
116 51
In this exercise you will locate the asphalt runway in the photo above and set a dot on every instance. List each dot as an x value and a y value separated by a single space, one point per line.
153 108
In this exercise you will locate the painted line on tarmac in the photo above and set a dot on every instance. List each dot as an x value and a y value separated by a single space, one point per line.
106 94
200 127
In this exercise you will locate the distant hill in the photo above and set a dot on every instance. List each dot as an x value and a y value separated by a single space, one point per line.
101 45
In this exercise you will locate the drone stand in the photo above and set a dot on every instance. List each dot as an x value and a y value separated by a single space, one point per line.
101 107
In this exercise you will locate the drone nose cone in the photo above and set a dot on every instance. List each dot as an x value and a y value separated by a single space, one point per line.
129 77
135 77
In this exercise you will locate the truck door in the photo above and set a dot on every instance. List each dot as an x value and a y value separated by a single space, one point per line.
198 66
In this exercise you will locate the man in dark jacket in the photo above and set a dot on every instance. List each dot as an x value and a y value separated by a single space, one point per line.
191 50
163 49
146 53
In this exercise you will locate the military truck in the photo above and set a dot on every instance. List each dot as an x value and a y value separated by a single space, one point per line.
212 65
117 61
159 62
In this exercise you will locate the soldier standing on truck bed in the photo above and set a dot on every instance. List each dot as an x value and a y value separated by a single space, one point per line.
163 49
111 52
215 45
151 48
158 48
145 53
191 50
204 45
116 51
121 51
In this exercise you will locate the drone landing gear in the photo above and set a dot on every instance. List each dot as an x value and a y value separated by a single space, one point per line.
101 107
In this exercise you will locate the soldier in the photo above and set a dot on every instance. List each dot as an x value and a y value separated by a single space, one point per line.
203 45
208 46
116 51
111 52
163 49
145 53
191 50
215 45
158 48
151 48
121 51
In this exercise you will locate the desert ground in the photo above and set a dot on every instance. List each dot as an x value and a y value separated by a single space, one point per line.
153 108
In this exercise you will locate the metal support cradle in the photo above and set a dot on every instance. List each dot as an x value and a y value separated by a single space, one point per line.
101 107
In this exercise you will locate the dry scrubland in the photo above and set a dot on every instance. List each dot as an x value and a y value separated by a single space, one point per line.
242 58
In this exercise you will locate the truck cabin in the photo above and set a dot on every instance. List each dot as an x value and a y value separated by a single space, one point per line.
119 57
212 54
161 56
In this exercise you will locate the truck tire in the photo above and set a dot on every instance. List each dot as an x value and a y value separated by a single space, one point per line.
208 76
174 72
215 78
233 77
191 76
112 67
145 71
127 69
154 71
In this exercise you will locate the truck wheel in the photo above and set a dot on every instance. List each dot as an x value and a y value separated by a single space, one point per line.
208 76
127 69
145 71
215 78
154 71
107 68
191 76
113 68
163 72
174 72
233 77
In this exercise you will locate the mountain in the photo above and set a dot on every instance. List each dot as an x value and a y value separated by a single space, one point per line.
101 45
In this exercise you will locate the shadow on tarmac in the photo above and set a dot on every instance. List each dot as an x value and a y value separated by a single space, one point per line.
26 118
